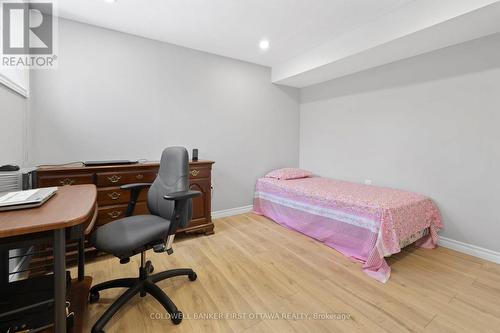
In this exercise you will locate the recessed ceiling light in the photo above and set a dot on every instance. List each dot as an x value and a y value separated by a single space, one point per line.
264 44
110 1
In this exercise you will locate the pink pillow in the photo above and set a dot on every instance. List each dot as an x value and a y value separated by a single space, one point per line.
288 173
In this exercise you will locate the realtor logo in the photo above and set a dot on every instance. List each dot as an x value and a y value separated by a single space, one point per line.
27 28
29 38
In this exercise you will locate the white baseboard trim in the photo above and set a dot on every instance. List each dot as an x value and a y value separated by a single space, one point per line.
232 211
470 249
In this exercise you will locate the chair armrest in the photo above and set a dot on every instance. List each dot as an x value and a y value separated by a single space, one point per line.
136 186
181 200
135 190
182 195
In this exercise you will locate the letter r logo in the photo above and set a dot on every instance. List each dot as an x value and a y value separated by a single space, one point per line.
27 28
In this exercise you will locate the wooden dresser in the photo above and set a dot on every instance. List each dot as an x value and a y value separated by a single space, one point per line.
113 201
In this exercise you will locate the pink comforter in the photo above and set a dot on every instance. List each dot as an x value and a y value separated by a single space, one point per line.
364 222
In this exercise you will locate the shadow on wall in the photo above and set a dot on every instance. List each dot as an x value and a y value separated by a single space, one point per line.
470 57
291 92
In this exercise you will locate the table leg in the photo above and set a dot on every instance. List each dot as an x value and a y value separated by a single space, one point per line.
59 281
4 268
81 256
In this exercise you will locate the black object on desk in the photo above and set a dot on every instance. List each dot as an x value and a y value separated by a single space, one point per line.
110 162
9 167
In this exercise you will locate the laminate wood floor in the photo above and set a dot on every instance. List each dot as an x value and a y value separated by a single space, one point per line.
256 276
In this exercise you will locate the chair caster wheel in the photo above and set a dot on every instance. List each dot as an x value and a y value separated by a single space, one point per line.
176 317
149 267
93 297
192 277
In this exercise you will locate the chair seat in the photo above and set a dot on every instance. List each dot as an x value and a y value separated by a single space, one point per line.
125 237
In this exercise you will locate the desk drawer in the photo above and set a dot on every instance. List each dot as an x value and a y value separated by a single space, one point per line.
114 195
116 212
62 180
198 172
119 178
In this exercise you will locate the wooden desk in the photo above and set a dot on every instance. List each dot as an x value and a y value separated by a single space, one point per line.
70 206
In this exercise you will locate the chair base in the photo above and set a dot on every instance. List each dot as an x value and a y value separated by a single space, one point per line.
143 285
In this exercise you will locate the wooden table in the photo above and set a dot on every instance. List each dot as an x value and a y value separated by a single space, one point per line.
71 206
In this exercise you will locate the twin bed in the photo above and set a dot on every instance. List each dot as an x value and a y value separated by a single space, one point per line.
364 222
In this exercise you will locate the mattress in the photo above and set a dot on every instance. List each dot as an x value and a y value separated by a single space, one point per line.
365 222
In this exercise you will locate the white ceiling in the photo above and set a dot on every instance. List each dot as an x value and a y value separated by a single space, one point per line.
312 41
233 28
419 27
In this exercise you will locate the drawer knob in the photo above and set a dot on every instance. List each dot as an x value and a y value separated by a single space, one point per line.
114 195
114 178
194 172
139 176
67 181
114 214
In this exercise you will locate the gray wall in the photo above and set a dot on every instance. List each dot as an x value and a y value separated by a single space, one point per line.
117 96
13 124
428 124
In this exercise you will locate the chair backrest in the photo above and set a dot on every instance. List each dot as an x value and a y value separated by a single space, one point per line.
173 176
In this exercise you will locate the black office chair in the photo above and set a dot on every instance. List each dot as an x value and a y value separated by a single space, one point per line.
169 201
